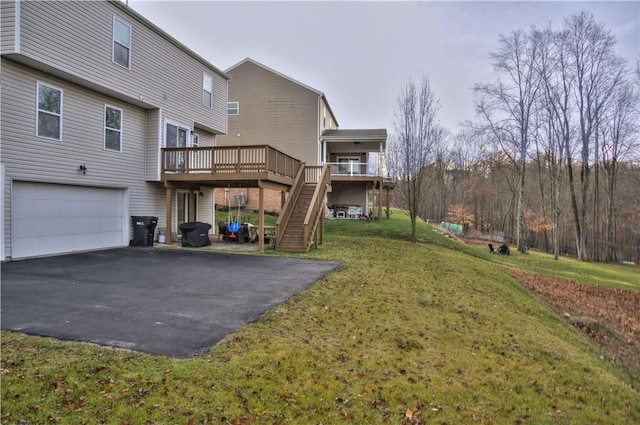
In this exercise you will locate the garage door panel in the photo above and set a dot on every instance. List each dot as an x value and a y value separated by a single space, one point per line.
67 208
49 219
47 245
60 226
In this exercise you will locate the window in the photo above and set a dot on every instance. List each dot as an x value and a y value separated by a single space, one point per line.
112 129
233 108
206 89
175 136
49 112
121 43
195 140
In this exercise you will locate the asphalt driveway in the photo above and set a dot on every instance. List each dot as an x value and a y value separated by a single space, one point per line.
169 302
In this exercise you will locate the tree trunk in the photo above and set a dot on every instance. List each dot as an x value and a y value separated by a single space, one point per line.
574 205
584 191
611 254
520 231
557 175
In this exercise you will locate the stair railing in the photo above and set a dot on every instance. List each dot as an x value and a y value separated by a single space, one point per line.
289 203
314 212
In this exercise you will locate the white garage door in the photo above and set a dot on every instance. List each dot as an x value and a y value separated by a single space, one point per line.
51 219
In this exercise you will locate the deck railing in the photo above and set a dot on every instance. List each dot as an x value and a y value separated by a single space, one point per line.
354 169
229 159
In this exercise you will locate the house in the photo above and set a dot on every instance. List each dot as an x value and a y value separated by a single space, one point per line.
268 107
92 95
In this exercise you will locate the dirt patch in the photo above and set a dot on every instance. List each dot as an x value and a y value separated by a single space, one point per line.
608 316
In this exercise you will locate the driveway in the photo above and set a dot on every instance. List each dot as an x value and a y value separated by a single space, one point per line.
170 302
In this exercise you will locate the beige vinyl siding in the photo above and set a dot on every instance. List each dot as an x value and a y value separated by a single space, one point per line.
328 123
274 111
205 205
29 158
7 26
206 139
76 38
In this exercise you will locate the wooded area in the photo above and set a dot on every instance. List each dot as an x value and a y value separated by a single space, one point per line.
552 161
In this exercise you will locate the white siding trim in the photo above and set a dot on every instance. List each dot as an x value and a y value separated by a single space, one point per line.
160 144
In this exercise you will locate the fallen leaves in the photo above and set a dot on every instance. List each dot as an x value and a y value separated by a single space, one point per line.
595 310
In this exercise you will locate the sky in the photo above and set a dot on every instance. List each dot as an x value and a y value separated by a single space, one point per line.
361 53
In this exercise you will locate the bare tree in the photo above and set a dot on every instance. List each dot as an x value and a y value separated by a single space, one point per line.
507 105
412 148
598 71
555 112
619 134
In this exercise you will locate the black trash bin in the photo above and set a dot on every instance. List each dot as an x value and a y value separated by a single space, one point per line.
144 228
195 234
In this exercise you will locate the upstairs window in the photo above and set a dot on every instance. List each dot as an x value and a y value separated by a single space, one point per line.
49 112
206 89
112 129
233 108
121 43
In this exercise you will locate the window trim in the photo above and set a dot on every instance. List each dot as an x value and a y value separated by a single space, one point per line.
38 110
105 128
208 90
237 108
113 43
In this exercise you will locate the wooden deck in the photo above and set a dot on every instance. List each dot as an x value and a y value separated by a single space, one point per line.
251 166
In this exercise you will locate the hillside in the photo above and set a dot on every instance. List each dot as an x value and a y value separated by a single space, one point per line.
435 332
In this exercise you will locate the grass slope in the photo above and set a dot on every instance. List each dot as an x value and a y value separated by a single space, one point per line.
435 333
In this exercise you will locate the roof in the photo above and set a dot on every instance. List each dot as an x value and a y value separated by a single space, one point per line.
380 133
286 77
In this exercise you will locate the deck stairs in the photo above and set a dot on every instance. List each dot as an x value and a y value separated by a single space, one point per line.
300 224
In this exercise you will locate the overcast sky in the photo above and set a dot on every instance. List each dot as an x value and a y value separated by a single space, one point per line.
359 54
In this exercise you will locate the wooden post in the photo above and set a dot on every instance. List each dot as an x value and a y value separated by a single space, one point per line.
321 224
380 200
169 198
261 219
388 211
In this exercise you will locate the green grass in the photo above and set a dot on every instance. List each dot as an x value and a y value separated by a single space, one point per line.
435 332
612 275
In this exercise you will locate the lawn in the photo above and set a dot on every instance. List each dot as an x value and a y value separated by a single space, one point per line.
437 332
